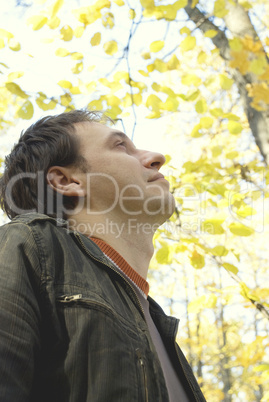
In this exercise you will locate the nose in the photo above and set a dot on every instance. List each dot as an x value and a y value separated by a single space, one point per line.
152 159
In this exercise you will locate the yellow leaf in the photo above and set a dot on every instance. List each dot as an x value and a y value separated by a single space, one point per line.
239 229
173 63
212 226
66 33
144 73
201 58
160 65
230 267
56 7
194 3
14 45
234 127
191 79
258 65
137 99
219 9
156 46
61 52
13 76
206 122
236 44
219 251
147 3
108 20
37 21
246 5
54 22
146 55
75 91
201 106
77 56
216 112
96 39
65 84
77 68
216 151
41 102
196 133
188 43
113 112
16 90
164 255
153 102
132 14
5 34
111 47
245 210
65 99
231 116
211 33
197 260
26 111
225 82
180 4
2 43
231 155
78 32
261 367
185 30
119 2
240 61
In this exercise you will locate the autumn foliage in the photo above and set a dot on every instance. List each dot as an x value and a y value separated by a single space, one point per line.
203 67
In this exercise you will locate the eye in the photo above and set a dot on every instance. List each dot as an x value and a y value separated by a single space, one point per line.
122 144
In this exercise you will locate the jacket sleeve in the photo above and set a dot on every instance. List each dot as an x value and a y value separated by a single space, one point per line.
19 312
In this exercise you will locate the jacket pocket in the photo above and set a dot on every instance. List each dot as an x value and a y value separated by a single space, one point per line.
142 368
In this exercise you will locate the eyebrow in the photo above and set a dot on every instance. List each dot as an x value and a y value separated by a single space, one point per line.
120 134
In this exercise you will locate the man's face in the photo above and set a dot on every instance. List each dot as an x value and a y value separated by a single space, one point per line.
121 177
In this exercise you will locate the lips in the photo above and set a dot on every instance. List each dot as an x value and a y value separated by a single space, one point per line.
156 177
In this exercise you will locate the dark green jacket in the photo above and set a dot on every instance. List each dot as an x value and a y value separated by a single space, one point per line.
71 326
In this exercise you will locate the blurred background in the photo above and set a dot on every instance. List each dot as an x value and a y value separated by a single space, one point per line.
189 79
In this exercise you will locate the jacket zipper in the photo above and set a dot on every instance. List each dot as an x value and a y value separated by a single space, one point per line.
142 365
69 299
115 270
141 308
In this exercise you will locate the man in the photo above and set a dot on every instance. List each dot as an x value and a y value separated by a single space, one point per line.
76 322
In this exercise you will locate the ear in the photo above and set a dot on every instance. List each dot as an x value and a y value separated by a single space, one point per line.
65 181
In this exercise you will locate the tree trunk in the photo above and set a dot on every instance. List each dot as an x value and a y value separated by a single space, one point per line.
238 23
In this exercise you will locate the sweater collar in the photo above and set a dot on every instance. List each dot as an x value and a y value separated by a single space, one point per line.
122 264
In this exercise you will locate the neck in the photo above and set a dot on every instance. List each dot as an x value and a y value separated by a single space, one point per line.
131 238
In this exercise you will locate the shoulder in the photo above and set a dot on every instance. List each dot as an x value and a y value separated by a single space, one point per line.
32 231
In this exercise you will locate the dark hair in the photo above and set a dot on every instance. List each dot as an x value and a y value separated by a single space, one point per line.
48 142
